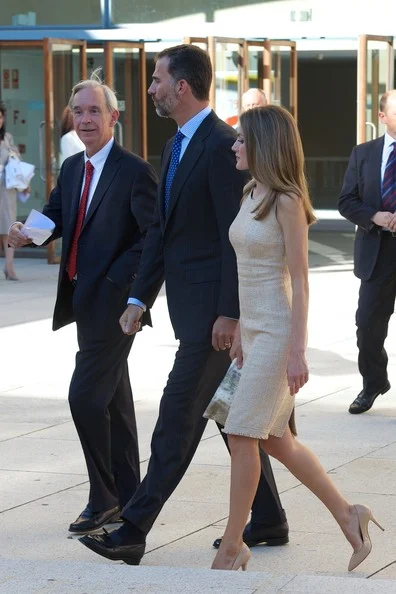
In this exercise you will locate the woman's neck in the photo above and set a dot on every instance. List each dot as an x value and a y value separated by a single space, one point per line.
259 190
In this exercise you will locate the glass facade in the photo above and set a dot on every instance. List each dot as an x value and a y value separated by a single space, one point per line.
30 13
154 11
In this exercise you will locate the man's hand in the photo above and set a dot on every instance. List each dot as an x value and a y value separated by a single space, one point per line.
16 238
392 223
223 333
382 219
236 348
129 321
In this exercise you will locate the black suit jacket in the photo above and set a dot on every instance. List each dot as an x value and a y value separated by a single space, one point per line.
190 246
111 239
360 199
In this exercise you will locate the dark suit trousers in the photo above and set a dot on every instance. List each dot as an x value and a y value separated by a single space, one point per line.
102 407
195 376
375 307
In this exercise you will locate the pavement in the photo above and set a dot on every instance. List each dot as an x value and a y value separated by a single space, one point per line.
44 481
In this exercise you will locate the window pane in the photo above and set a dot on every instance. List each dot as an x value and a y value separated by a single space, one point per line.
47 12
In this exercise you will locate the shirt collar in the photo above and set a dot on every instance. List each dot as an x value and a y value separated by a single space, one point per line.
99 158
190 127
388 140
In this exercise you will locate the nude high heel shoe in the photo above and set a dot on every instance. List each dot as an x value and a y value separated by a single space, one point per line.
365 516
10 277
242 558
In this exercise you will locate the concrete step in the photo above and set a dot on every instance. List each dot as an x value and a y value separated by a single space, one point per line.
33 576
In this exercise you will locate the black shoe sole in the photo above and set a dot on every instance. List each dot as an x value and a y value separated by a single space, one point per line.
107 555
363 410
270 542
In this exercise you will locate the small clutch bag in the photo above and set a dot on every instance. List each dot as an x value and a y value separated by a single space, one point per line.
219 406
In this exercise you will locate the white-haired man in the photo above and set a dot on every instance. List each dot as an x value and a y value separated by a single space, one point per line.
102 206
253 98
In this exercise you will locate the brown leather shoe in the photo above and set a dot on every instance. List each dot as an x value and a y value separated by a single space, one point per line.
89 521
365 400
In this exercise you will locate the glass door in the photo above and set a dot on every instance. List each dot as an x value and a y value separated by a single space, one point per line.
257 64
22 94
36 81
284 74
227 56
125 71
375 77
64 65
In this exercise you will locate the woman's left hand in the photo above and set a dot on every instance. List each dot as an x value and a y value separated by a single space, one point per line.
297 371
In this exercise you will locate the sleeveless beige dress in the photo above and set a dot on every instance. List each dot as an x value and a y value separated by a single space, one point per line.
262 405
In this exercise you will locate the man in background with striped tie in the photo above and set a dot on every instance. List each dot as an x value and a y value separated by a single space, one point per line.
368 199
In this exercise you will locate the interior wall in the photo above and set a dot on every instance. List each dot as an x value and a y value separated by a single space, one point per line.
327 99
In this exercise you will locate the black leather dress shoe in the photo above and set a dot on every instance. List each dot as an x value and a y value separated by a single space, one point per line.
365 400
254 534
111 546
89 521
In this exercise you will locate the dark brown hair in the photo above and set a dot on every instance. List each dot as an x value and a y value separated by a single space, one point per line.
192 64
275 157
66 121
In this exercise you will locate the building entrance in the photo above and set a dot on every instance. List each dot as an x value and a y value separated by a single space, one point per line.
320 87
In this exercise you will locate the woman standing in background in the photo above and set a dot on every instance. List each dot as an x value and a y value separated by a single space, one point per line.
70 144
8 198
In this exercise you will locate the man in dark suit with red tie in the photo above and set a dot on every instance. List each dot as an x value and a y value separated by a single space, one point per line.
368 199
102 206
188 246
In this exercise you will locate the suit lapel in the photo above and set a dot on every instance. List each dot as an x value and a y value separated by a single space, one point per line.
193 152
110 169
374 162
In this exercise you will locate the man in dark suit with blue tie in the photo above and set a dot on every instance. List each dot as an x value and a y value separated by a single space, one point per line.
188 246
102 206
368 199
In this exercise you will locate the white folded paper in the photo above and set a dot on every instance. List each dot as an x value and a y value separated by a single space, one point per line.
38 227
18 174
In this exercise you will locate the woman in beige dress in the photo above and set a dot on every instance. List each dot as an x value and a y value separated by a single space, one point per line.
8 199
270 238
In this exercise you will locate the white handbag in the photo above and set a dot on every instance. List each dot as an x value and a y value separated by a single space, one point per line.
18 173
219 406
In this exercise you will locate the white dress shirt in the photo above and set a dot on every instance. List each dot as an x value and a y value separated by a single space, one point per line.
386 151
98 161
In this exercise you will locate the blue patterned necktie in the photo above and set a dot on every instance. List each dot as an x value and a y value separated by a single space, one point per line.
389 183
174 162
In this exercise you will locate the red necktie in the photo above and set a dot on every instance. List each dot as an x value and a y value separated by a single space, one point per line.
71 266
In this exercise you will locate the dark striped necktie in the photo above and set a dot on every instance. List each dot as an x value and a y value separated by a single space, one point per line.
174 162
389 183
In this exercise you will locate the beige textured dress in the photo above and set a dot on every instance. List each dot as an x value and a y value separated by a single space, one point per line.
8 198
262 405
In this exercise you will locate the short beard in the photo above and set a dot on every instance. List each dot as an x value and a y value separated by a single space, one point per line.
167 108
